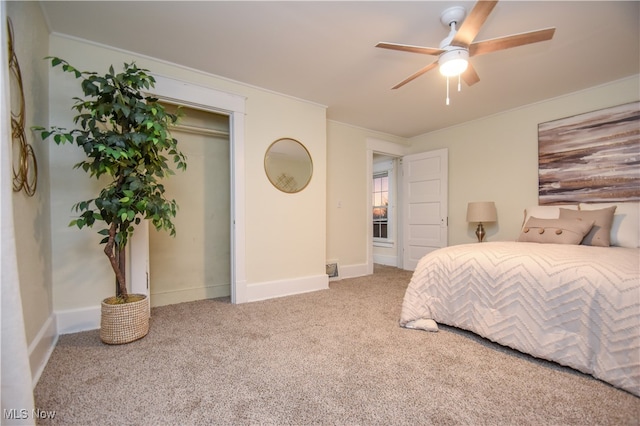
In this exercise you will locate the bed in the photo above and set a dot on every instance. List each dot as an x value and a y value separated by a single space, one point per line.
574 303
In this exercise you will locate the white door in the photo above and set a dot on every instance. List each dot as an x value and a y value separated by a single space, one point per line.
425 186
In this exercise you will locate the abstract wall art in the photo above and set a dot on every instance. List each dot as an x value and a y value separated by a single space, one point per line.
592 157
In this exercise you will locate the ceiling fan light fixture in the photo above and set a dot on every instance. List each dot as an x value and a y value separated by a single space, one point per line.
454 62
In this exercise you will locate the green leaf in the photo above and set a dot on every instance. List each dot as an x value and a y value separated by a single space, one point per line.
125 137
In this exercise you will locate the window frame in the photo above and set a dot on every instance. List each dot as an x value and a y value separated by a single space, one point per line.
379 169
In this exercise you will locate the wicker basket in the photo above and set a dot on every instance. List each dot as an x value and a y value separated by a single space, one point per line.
125 322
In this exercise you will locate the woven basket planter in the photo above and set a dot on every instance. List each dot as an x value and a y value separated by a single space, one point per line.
125 322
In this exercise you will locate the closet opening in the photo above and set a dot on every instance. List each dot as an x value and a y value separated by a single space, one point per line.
196 263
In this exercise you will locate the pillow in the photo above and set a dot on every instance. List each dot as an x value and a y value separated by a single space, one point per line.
546 212
554 231
625 231
600 234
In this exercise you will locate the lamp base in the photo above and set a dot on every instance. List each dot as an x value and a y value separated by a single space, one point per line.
480 232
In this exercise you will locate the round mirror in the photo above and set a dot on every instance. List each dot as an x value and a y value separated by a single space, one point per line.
288 165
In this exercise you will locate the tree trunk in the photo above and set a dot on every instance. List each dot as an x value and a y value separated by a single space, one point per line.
122 265
112 252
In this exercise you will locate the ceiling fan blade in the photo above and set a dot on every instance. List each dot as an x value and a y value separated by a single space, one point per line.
472 24
410 48
416 75
507 42
470 76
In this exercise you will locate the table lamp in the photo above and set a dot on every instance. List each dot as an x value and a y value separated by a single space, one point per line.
481 212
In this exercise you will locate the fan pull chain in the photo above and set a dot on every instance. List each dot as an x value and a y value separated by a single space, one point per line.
447 90
459 87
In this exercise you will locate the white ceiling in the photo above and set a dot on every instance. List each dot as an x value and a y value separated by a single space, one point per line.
324 51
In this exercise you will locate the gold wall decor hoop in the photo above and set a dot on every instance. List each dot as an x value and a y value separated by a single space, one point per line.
25 166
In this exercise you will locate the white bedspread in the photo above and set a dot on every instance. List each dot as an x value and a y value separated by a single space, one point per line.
572 304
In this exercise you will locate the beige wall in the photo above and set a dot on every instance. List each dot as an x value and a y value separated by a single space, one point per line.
31 214
285 233
496 158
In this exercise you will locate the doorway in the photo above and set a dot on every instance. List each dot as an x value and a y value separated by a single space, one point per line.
196 263
421 206
385 212
378 148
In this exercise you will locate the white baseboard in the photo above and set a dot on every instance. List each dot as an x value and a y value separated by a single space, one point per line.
352 271
41 348
288 287
75 320
188 295
381 259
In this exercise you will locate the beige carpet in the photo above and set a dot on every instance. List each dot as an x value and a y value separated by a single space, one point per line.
333 357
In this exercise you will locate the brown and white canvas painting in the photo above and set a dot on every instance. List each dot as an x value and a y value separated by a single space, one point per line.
591 157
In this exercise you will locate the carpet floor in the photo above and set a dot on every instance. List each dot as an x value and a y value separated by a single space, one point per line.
331 357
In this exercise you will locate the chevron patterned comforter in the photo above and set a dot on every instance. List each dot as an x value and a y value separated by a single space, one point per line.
573 304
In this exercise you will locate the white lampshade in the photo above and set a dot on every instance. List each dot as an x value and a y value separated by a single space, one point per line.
453 62
482 211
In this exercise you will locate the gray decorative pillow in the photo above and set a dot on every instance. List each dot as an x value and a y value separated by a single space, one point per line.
554 231
600 234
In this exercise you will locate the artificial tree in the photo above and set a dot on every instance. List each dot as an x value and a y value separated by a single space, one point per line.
124 133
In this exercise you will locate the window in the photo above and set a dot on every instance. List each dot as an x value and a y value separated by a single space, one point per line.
381 205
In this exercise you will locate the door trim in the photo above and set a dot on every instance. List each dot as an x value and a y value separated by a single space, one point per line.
394 150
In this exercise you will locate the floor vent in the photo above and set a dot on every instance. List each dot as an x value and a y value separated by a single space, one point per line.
332 270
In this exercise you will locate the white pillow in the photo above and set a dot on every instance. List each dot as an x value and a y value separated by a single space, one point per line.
625 231
546 212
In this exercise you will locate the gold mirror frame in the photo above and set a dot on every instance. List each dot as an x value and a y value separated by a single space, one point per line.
288 165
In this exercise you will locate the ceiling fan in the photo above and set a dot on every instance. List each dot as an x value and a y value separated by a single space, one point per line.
458 46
